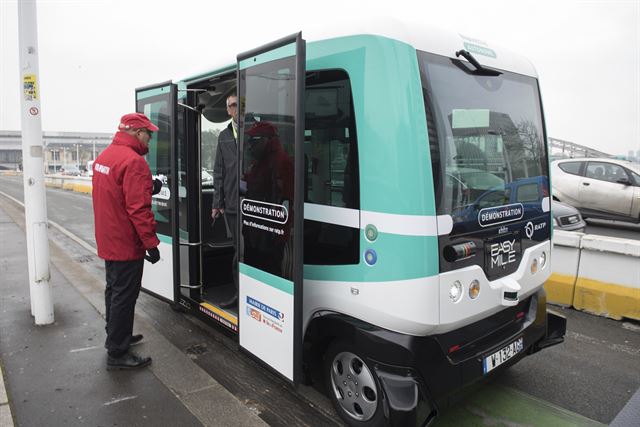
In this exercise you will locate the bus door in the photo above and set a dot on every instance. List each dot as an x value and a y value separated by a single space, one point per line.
158 102
271 125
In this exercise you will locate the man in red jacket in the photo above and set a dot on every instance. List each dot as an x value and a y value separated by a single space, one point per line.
125 231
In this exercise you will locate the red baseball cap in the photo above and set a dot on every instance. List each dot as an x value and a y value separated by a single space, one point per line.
136 121
262 129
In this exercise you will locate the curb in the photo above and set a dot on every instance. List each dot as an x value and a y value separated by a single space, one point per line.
203 396
6 418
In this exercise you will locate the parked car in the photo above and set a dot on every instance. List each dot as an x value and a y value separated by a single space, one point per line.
566 217
70 170
598 187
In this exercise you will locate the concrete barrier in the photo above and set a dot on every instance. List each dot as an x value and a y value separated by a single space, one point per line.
80 184
565 259
608 282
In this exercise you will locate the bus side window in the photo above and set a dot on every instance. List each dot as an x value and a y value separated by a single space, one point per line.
331 166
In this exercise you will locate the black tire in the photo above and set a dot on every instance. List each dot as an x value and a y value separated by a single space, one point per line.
357 397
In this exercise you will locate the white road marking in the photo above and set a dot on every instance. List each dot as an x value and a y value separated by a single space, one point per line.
630 326
616 347
122 399
75 350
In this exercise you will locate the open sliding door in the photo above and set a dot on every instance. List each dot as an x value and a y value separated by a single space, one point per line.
271 125
158 102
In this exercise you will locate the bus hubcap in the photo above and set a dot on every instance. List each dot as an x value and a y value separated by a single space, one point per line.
354 386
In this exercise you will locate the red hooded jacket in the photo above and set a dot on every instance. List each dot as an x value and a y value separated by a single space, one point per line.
124 222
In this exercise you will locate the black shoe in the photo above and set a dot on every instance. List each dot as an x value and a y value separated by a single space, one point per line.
135 339
231 303
127 361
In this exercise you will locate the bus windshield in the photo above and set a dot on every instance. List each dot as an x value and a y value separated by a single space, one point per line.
486 138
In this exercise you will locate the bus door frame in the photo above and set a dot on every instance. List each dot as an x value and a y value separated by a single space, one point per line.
155 275
265 321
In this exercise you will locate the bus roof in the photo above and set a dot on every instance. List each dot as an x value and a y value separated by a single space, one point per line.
423 37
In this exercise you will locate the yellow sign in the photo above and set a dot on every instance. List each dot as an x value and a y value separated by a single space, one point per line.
30 88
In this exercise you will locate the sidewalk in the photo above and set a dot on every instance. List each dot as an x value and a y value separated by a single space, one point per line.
56 374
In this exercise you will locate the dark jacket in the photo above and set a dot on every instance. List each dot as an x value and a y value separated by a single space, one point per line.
225 172
124 223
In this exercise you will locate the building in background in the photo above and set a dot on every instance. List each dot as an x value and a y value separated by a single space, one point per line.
70 151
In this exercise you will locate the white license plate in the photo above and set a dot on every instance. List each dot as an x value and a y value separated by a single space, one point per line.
499 357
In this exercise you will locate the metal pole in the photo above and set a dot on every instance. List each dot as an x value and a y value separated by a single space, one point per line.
94 150
35 202
78 156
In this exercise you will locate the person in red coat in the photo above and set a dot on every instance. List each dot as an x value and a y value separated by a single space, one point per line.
269 178
125 231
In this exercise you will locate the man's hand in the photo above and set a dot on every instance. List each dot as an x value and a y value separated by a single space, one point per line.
153 255
157 186
216 211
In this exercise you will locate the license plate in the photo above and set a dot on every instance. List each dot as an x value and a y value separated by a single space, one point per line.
499 357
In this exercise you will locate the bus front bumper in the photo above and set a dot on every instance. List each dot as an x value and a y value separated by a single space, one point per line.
414 394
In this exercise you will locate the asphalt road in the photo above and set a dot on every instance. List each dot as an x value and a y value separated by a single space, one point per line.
603 227
593 373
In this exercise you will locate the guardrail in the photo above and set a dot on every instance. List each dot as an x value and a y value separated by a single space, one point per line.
597 274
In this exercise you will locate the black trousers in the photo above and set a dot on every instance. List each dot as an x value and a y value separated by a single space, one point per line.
124 279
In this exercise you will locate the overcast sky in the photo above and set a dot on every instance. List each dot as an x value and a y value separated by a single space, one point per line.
94 53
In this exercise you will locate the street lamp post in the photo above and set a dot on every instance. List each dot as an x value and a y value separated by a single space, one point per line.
35 201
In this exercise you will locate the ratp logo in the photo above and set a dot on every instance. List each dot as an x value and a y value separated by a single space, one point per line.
528 229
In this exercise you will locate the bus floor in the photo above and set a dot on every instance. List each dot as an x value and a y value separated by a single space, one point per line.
218 294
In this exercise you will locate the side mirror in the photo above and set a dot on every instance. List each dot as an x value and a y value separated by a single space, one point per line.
624 181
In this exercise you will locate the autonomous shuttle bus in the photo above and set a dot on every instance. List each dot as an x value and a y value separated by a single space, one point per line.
393 217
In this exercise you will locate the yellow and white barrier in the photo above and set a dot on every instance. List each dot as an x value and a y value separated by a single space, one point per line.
609 277
597 274
79 184
565 260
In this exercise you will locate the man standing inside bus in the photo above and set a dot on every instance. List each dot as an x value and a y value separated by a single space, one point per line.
125 231
225 183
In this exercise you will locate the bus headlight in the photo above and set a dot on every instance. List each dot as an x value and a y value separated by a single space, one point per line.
455 291
474 289
543 260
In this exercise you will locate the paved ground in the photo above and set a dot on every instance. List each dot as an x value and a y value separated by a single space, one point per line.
55 375
592 375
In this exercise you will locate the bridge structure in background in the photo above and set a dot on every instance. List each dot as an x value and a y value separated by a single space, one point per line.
559 148
62 150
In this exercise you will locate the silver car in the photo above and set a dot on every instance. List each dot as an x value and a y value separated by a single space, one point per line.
598 188
566 217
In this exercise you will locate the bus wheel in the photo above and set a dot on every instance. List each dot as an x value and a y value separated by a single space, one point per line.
352 387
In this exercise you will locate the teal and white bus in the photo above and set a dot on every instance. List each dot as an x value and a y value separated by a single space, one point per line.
394 229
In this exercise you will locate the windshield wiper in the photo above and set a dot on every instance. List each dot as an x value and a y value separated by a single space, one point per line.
480 70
